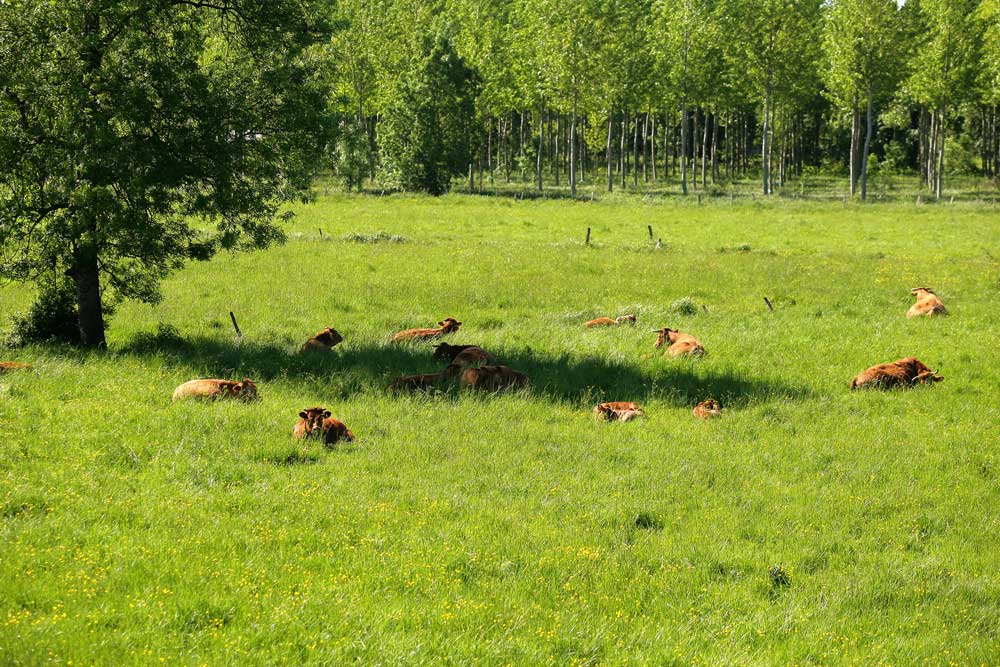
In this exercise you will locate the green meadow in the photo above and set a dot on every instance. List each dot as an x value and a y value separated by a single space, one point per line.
810 525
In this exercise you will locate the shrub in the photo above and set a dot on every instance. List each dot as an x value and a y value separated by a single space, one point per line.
52 317
684 306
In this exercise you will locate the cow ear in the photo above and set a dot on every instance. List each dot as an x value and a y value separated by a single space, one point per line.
304 414
326 413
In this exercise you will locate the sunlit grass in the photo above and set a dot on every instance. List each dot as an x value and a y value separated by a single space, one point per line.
809 525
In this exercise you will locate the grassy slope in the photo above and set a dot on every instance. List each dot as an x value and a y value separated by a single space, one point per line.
495 530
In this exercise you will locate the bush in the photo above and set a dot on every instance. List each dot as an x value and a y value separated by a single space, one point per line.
684 306
52 317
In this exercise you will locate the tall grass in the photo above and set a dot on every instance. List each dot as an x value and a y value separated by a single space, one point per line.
809 525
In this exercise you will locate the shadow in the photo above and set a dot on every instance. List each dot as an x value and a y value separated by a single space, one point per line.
348 370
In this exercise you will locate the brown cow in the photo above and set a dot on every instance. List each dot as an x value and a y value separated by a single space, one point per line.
472 356
317 423
681 344
608 322
622 411
449 352
445 326
418 382
492 378
927 303
212 389
7 366
324 340
707 409
902 373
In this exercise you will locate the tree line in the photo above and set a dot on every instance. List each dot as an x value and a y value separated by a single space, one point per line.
693 91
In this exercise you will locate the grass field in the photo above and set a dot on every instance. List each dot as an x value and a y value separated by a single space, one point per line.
808 526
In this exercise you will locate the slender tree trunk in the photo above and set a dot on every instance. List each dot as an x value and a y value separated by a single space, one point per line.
684 149
635 153
855 148
558 154
652 146
489 149
939 181
611 175
704 150
715 145
622 152
765 155
541 144
932 152
867 147
572 146
694 149
86 275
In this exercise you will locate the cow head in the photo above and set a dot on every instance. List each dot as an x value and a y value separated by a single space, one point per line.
245 390
329 337
629 319
663 335
921 291
449 324
445 351
314 417
927 377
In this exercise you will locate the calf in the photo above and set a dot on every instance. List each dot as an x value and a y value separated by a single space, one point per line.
212 389
324 340
707 409
7 366
449 352
492 378
902 373
423 382
445 326
681 344
622 411
608 322
927 303
317 423
472 356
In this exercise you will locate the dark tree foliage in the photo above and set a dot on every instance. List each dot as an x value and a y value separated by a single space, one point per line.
429 132
137 134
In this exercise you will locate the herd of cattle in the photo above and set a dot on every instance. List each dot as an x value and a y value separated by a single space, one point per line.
472 367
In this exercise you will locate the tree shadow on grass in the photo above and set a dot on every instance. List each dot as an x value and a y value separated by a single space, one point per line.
352 369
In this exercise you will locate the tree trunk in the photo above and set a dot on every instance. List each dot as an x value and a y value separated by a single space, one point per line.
704 150
558 154
489 149
765 155
684 151
541 145
86 276
621 150
652 146
694 149
939 169
867 147
572 147
715 145
611 175
635 153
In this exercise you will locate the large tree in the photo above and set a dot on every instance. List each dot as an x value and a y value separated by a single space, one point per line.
136 134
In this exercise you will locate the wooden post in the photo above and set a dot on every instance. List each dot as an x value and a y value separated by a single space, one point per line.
699 199
650 229
320 232
769 306
239 334
587 241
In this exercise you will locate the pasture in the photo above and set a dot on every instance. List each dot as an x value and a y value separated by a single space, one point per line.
809 525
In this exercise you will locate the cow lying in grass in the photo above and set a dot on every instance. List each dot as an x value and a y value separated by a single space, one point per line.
681 344
491 378
324 340
707 409
608 322
902 373
317 423
927 303
445 326
7 366
423 382
449 352
621 411
213 389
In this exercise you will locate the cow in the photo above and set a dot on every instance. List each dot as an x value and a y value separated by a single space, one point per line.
422 382
681 344
927 303
445 326
449 352
492 378
608 322
902 373
707 409
317 423
622 411
212 389
325 340
7 366
472 356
